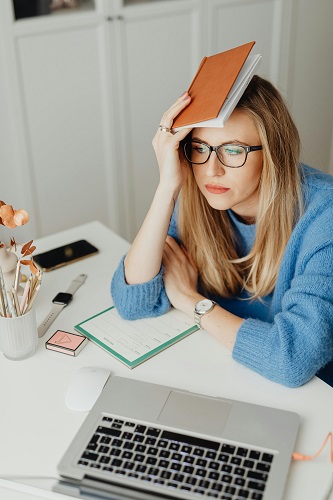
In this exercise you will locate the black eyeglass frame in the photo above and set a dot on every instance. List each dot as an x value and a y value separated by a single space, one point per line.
247 149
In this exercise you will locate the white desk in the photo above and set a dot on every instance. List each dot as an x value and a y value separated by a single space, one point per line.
36 427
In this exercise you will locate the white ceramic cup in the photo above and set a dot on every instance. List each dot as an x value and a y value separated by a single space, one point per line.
19 336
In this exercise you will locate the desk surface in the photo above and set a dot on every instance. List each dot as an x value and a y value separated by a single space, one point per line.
36 427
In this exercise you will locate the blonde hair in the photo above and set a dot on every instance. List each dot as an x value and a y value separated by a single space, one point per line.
207 233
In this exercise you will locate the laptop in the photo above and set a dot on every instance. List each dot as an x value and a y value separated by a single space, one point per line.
146 441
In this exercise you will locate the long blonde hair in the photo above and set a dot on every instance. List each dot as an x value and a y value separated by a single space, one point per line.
207 233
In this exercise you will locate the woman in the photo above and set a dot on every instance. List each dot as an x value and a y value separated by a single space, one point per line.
251 229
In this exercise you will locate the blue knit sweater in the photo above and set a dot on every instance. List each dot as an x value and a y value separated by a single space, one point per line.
288 337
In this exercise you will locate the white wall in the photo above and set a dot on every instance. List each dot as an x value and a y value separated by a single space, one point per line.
310 80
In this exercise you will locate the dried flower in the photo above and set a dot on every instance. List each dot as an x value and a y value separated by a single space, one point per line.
12 218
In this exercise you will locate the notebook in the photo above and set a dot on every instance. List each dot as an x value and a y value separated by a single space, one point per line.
147 441
217 87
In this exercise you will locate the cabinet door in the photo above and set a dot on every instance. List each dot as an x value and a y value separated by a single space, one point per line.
159 49
66 108
267 22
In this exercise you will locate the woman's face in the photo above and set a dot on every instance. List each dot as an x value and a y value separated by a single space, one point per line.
235 188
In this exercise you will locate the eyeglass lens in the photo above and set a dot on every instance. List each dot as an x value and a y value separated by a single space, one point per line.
230 155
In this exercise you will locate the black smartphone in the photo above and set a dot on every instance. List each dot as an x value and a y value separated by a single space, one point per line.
66 254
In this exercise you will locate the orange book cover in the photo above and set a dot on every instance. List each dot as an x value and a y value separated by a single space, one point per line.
211 85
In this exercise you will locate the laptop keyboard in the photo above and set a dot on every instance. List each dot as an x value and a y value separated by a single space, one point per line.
176 462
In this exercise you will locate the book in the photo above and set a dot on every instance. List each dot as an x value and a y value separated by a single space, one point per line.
217 87
133 342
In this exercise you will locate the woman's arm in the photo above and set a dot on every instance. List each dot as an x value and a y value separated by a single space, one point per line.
180 279
143 261
291 349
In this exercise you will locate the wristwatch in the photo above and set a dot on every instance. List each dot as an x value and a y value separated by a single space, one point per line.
60 301
201 308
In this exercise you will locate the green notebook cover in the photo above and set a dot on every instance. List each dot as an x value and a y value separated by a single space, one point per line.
133 342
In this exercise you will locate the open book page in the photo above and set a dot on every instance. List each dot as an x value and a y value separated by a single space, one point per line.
133 342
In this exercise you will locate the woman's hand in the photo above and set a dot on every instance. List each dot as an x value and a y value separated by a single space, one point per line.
166 145
180 276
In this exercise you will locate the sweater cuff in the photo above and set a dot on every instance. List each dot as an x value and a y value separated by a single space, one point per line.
248 348
139 300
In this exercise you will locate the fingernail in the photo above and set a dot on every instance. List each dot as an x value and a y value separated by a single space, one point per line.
182 94
186 97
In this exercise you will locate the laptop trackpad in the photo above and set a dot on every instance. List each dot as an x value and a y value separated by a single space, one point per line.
195 413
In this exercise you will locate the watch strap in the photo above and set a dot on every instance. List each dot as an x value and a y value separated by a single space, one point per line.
49 318
57 308
76 283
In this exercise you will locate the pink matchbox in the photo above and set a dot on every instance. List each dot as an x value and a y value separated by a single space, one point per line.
67 343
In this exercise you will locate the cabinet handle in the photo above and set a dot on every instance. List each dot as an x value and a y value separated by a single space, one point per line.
120 18
109 18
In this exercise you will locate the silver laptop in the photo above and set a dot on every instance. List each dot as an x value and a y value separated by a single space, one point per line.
146 441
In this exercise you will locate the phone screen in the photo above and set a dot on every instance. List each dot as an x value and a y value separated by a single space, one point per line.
65 254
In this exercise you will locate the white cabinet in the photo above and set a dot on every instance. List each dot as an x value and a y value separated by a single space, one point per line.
92 86
82 94
267 22
159 48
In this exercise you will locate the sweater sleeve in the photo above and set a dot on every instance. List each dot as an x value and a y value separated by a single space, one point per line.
145 299
299 341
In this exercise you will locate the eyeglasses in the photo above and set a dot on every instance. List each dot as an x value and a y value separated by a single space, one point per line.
230 155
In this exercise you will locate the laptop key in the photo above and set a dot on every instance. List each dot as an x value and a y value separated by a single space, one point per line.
256 496
239 481
151 431
87 455
188 469
227 448
105 440
263 466
239 471
260 476
248 463
129 465
107 431
254 454
83 462
162 443
230 490
178 477
140 428
116 462
141 468
242 452
267 457
139 438
253 485
128 445
127 435
243 493
150 440
190 440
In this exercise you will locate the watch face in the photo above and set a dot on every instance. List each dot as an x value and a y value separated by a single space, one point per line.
62 298
203 305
